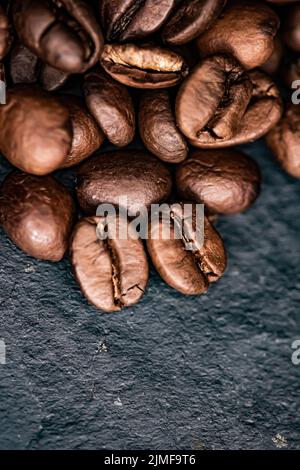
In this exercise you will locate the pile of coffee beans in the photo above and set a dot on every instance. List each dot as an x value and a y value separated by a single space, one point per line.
173 86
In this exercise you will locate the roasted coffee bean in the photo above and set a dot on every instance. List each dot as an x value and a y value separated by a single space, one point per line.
25 67
291 33
284 140
87 137
52 79
158 127
126 20
143 66
111 105
37 213
35 130
112 272
135 174
226 181
213 100
272 65
5 35
64 33
190 19
190 263
262 114
246 29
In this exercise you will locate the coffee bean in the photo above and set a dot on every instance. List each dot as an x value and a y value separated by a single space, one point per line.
291 32
190 271
138 175
126 20
52 79
87 137
63 34
158 127
111 105
262 113
190 19
5 34
226 181
246 29
112 273
213 100
143 66
37 213
35 130
284 140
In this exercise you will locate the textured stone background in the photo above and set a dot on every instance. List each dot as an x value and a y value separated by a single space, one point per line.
212 372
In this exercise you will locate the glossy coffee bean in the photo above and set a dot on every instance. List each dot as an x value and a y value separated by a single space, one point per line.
226 181
158 128
112 273
87 136
284 140
112 107
26 67
246 29
190 271
35 130
37 213
138 175
126 20
213 100
291 32
5 34
262 114
63 34
189 19
143 66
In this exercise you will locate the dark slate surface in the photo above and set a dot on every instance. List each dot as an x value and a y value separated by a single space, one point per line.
212 372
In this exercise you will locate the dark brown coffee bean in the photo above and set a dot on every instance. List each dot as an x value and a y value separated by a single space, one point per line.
190 271
63 34
273 64
284 140
246 29
112 273
87 137
158 127
5 34
25 67
190 19
52 79
111 105
143 66
37 213
226 181
291 33
262 114
138 175
35 130
126 20
213 100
